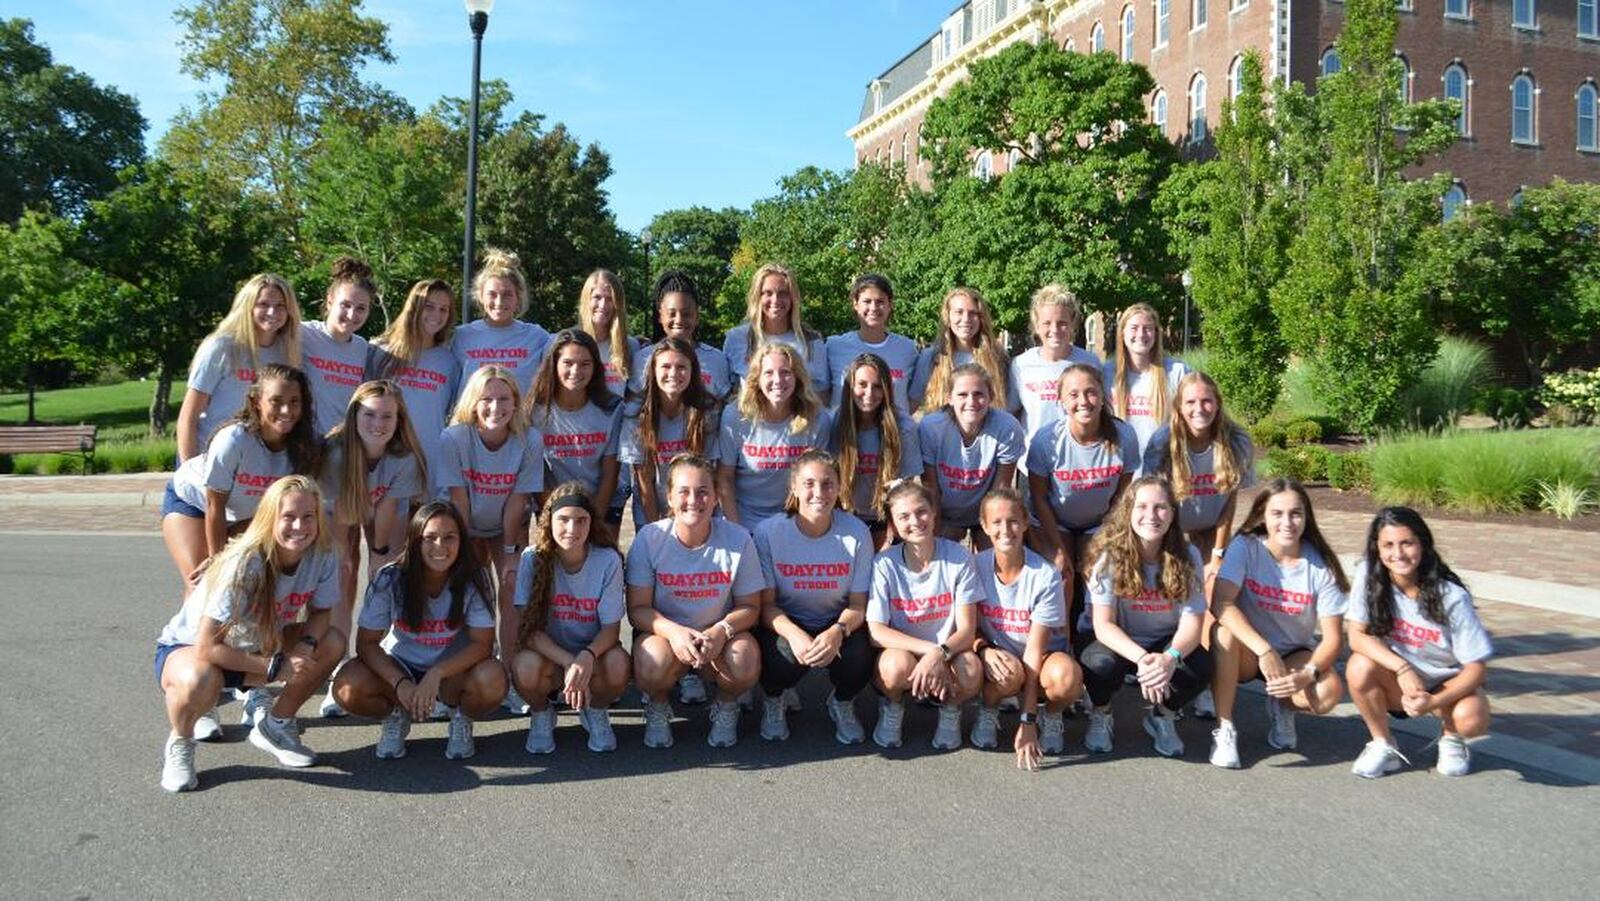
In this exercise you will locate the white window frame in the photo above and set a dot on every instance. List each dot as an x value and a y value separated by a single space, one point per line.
1199 14
1069 45
1128 22
1158 110
1235 76
1588 91
1525 14
1448 208
983 166
1406 74
1237 6
1464 123
1199 125
1322 62
1097 38
1533 109
1163 17
1464 14
1593 31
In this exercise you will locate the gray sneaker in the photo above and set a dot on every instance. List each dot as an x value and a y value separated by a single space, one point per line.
891 723
177 765
774 724
597 722
257 703
725 724
1163 729
1052 733
1280 724
791 701
1097 738
459 746
541 732
947 735
392 734
657 724
207 727
514 703
846 727
692 689
278 737
986 728
330 709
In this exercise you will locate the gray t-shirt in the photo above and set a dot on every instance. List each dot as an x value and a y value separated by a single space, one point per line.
671 440
1141 397
236 464
224 371
490 476
1283 603
896 350
965 471
1438 651
761 454
314 583
714 372
394 476
927 361
813 578
518 347
575 441
616 382
923 605
384 609
581 603
1034 386
335 368
737 349
1083 477
1149 617
695 587
1009 612
869 451
429 387
1203 507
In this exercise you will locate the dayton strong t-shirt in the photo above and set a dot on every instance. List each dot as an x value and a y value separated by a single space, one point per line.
335 368
1437 650
965 471
429 386
923 605
736 347
1282 602
490 476
1149 617
576 440
1034 386
671 440
222 370
869 462
394 476
1009 612
761 454
1141 402
695 587
435 639
813 578
581 603
714 372
236 464
1204 505
518 347
314 584
895 350
1083 477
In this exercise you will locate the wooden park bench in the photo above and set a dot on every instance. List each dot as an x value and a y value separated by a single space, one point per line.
49 439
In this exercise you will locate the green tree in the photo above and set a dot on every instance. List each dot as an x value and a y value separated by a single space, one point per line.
1346 302
62 137
38 331
698 240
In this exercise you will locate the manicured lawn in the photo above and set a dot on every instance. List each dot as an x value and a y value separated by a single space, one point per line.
122 404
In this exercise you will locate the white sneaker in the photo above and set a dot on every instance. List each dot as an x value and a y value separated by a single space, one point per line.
541 732
947 735
207 727
597 722
514 702
725 724
1164 729
459 746
846 728
1204 706
1097 738
658 724
1225 746
1280 724
257 702
330 708
891 722
1455 758
692 689
441 710
177 764
392 734
1010 704
1052 732
791 701
1377 758
774 724
986 728
279 738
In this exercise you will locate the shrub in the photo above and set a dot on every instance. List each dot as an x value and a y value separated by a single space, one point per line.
1446 387
1349 471
1405 472
1484 472
1565 500
1480 478
1572 397
1510 407
1302 431
1267 434
1306 464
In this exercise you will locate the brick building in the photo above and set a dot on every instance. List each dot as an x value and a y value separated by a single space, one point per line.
1528 72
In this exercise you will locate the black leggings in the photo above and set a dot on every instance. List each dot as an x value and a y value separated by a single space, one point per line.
1104 670
849 672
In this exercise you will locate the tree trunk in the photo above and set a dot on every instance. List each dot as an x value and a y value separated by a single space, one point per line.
158 404
32 420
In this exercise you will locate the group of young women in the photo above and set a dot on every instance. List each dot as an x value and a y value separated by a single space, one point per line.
947 524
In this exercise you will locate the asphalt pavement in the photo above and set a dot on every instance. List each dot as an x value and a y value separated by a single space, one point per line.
83 816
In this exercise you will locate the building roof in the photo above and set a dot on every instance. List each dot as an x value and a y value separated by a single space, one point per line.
901 77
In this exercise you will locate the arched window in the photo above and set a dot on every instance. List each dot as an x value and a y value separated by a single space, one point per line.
1013 159
1197 108
1454 200
1587 137
1235 77
1097 38
1158 110
1070 46
1127 34
1523 121
1403 89
1455 88
1330 61
1524 14
984 167
1198 14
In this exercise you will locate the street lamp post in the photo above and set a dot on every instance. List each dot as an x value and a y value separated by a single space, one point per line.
1188 282
478 20
644 240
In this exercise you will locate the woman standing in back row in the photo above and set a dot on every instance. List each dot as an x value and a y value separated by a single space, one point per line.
772 316
336 356
873 301
414 353
501 338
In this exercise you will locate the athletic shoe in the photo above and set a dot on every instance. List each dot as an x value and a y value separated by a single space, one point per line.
330 708
441 710
1010 704
1097 738
1052 732
658 724
986 728
891 722
392 734
846 728
514 702
257 703
747 700
459 746
1204 706
1163 727
1455 758
177 764
774 725
541 732
278 737
791 701
1280 724
597 722
1225 746
725 724
691 689
1377 758
207 727
947 735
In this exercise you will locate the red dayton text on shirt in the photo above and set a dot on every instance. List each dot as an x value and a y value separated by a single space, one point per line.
1044 390
1086 478
1204 484
921 610
573 608
497 353
253 485
245 375
435 633
421 379
695 586
814 576
1277 599
490 482
1413 635
773 456
574 444
337 372
289 607
1006 619
964 479
1149 600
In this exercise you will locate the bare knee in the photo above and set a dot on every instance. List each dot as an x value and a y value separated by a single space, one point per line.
968 672
1362 672
654 666
484 688
1329 692
893 671
1470 716
1060 679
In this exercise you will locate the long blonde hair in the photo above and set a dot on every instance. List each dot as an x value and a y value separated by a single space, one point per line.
351 505
752 313
501 264
986 352
1225 461
1116 546
236 326
803 403
618 338
249 565
846 435
472 392
403 339
1158 366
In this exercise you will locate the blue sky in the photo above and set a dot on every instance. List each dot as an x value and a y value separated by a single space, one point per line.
698 102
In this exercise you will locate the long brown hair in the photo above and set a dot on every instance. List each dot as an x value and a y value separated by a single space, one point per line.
1117 547
1226 465
1107 423
302 443
409 567
545 384
403 339
351 504
248 567
986 352
1255 523
1432 573
846 435
547 556
697 405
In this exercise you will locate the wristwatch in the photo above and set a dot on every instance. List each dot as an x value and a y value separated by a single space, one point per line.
1312 669
944 650
844 632
1028 718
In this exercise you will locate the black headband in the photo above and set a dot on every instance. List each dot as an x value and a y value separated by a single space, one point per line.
569 500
